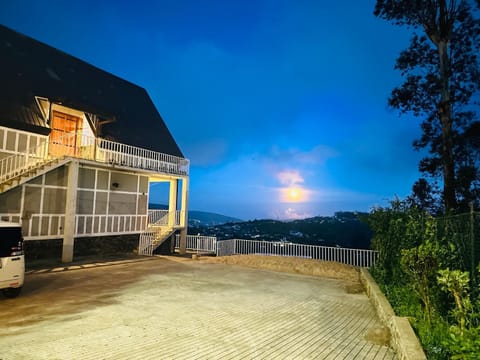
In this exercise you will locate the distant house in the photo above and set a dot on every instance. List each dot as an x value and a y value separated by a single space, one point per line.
79 148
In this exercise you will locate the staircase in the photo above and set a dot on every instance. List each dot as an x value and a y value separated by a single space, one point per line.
153 237
28 174
20 168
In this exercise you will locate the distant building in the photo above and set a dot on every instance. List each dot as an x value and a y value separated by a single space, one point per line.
79 148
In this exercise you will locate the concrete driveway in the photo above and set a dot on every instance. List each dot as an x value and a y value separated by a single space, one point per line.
157 308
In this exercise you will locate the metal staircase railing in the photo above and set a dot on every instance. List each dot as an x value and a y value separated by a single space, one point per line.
155 234
19 168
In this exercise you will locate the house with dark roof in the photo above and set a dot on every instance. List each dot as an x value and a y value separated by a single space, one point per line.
79 149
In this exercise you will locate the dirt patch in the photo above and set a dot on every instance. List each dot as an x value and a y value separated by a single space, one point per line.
379 336
55 293
293 265
356 288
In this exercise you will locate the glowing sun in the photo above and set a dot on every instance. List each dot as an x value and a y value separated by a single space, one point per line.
294 194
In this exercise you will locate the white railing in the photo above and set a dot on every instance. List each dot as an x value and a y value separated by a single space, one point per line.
89 225
14 165
207 244
139 158
50 226
158 216
355 257
165 217
90 148
11 217
146 243
38 226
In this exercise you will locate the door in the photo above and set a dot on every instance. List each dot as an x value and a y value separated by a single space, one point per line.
64 134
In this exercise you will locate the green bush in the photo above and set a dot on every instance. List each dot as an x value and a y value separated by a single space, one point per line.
464 344
421 264
416 253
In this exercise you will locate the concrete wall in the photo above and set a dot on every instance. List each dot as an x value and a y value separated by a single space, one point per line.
103 192
402 337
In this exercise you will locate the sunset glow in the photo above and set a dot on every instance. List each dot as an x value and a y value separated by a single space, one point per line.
293 194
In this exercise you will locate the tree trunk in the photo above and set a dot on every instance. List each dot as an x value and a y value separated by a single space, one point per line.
445 115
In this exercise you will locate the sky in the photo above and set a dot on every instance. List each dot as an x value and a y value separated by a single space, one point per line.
280 105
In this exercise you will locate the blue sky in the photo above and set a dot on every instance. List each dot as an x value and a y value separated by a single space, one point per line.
262 96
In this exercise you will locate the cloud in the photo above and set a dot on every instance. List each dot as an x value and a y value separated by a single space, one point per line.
319 154
290 177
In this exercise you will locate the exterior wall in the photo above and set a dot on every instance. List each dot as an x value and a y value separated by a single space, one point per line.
102 208
39 204
111 201
16 141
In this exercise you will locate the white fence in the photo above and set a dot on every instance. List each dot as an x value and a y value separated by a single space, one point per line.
207 244
355 257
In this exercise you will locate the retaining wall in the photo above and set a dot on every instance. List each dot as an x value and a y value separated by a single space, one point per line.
402 337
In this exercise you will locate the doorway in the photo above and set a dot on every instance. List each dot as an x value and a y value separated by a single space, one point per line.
63 137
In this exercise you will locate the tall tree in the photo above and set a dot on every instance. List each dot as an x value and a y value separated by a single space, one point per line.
442 77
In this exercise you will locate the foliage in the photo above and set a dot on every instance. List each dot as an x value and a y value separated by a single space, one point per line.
456 282
464 337
388 226
421 264
427 260
433 335
442 77
465 344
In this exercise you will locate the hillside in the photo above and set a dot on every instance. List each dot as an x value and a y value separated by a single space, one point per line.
344 229
200 218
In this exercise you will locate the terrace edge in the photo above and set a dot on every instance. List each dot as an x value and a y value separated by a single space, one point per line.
402 337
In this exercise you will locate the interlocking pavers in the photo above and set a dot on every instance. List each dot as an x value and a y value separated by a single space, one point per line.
162 309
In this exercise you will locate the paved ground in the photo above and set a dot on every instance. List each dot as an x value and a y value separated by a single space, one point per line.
163 309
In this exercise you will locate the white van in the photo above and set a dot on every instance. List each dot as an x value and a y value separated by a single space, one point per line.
12 259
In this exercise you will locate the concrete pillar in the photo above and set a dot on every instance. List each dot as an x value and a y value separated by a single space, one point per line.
172 202
184 217
70 212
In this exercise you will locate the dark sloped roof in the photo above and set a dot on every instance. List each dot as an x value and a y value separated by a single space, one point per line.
29 68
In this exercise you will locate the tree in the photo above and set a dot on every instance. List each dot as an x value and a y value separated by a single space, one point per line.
442 77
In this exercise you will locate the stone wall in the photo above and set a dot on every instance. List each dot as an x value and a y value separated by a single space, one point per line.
51 250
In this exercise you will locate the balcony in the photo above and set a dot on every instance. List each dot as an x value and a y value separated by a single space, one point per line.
118 154
94 149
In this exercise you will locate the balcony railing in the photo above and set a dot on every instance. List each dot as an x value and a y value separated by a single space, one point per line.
165 217
131 156
91 148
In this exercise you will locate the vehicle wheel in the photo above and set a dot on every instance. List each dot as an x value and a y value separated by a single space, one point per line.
11 292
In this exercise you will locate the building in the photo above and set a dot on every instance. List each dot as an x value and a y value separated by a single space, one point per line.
79 148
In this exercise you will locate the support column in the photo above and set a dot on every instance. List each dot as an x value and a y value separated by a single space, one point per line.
172 203
184 217
70 212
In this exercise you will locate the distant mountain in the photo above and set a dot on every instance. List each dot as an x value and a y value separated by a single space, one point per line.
344 229
200 218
